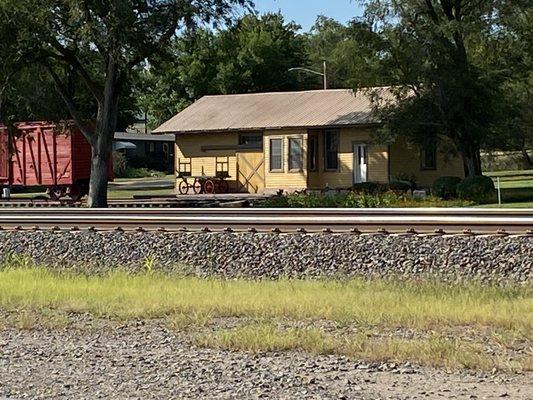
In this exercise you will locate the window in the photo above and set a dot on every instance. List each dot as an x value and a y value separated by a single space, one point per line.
276 154
251 139
428 157
150 147
295 154
166 151
312 153
331 150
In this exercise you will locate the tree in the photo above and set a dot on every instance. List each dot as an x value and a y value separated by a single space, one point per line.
442 92
253 54
256 53
183 74
102 42
507 52
352 53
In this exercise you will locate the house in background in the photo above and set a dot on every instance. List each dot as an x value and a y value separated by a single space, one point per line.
295 140
154 149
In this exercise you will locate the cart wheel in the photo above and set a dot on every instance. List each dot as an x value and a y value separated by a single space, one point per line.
209 186
223 186
56 193
183 187
75 192
197 186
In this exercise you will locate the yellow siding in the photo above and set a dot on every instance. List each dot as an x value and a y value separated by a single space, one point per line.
285 179
378 170
204 162
405 160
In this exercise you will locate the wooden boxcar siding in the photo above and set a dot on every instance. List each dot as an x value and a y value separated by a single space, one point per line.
285 179
405 160
4 156
204 162
81 158
378 170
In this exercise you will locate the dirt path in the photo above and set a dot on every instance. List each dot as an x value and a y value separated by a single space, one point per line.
147 361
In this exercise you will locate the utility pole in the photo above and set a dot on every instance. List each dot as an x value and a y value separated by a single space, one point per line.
325 74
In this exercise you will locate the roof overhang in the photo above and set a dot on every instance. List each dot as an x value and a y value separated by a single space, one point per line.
273 128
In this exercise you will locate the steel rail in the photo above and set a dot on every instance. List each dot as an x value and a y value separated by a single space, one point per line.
271 211
287 220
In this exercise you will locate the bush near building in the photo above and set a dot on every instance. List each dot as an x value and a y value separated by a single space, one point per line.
479 189
445 187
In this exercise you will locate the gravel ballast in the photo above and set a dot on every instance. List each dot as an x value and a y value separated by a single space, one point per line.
490 259
99 360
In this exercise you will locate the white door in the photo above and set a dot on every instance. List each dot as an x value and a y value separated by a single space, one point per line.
360 160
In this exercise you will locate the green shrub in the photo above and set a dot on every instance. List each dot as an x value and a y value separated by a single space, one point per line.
355 200
120 164
476 188
405 177
304 200
445 187
401 186
368 188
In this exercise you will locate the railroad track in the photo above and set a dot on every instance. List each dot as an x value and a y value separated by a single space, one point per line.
414 220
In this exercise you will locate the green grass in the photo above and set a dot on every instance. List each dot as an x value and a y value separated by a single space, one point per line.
516 187
355 318
168 177
515 184
521 204
128 194
510 173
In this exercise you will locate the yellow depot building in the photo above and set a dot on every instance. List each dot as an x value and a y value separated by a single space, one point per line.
295 140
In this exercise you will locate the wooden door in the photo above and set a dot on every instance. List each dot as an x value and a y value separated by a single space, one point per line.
251 171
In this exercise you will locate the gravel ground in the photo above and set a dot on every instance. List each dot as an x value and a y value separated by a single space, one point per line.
493 259
96 359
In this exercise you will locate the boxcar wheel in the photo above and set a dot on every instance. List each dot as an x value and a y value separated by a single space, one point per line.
56 193
183 187
75 192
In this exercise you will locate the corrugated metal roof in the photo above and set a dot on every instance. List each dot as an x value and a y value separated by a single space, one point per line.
258 111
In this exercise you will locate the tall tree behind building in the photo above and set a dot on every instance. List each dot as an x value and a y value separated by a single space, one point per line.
445 93
253 54
352 53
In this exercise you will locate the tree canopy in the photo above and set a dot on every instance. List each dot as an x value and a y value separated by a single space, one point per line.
101 43
445 92
253 54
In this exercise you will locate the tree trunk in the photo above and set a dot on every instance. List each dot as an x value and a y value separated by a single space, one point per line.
528 163
101 152
471 159
102 142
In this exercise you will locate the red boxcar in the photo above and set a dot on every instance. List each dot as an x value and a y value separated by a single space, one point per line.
45 154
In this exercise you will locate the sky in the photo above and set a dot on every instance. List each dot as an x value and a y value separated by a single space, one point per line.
304 12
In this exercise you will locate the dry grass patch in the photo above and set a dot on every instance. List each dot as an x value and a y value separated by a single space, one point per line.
434 351
28 319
